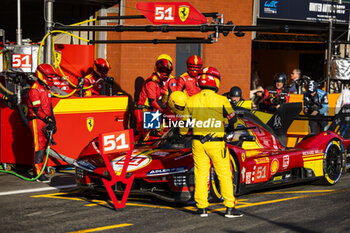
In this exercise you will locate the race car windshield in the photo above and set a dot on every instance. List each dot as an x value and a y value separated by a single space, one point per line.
169 140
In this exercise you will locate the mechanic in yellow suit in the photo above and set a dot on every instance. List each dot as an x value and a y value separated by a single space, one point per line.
207 111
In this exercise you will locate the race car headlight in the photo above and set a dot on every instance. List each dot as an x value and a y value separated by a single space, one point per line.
79 173
190 177
180 180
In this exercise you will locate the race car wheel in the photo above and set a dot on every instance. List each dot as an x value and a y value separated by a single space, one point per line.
7 166
50 170
215 193
332 162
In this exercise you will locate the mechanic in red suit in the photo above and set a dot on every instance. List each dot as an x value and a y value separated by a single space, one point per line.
275 95
97 77
151 94
41 114
208 145
169 85
187 82
92 83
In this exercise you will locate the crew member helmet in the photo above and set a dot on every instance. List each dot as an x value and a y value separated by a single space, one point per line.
177 102
164 56
194 65
235 92
101 67
312 86
46 73
209 78
164 68
280 78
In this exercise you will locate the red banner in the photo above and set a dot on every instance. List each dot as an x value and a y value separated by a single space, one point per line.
179 13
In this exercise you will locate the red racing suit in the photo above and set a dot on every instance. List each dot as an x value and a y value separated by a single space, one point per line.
97 84
40 108
149 100
188 84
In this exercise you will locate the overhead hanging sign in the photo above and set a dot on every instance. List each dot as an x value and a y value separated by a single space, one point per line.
304 10
176 13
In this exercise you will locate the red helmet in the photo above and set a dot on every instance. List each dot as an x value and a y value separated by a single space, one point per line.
164 68
209 78
194 65
46 73
101 67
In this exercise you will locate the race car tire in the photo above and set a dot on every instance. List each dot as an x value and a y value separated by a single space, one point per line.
332 162
7 167
214 191
50 170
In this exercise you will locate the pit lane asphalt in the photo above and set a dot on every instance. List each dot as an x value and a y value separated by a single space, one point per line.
36 207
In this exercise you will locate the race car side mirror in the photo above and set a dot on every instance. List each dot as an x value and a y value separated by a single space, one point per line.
249 138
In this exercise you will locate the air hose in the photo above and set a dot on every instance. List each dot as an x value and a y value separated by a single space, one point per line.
55 57
42 169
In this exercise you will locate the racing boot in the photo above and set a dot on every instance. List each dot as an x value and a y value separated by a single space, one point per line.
202 212
39 158
232 213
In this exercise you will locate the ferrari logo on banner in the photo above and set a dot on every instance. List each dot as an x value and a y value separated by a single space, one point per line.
177 13
184 12
90 123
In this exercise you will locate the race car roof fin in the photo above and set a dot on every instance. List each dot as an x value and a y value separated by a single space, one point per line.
282 119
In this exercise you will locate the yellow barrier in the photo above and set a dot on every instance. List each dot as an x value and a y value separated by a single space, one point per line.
332 100
298 129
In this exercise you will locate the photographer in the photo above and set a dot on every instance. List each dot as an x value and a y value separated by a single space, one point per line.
234 96
275 95
315 104
294 88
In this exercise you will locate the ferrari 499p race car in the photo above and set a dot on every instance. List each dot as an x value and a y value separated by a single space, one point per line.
259 159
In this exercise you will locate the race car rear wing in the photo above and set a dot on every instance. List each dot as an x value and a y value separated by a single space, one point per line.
283 118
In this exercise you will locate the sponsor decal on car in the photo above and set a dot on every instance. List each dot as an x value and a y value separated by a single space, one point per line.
285 161
277 178
248 177
312 152
260 175
137 162
262 160
243 174
167 171
274 166
243 157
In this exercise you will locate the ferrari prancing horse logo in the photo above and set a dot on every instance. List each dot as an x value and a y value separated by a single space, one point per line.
90 123
184 12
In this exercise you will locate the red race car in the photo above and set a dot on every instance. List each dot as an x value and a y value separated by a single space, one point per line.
258 155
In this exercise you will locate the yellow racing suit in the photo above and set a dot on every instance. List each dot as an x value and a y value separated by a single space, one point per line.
207 112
